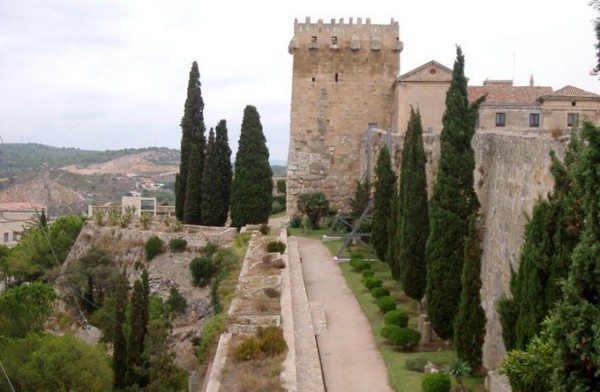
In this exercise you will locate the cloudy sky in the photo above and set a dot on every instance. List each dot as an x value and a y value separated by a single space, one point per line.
111 74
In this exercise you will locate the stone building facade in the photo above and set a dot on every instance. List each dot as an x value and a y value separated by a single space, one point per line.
15 217
343 75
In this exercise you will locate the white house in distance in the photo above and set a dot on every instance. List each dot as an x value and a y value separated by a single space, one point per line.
16 217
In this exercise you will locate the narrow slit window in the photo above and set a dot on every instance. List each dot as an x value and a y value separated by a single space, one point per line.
336 77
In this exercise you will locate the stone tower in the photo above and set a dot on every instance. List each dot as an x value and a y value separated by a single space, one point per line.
343 77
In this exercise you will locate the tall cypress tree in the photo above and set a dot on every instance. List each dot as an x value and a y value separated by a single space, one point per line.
452 203
413 211
252 188
391 254
469 326
212 201
191 123
119 360
574 323
137 335
225 169
382 202
192 212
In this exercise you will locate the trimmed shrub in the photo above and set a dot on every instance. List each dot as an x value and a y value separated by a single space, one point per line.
436 382
378 292
368 273
372 282
385 304
416 364
154 246
177 245
276 246
386 330
202 270
362 265
405 338
396 317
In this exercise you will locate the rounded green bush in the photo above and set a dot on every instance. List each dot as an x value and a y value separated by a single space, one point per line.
368 273
372 282
276 246
387 330
202 270
396 317
378 292
362 265
436 382
154 246
177 244
385 304
405 338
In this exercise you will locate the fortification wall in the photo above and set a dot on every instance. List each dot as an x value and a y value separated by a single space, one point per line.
343 75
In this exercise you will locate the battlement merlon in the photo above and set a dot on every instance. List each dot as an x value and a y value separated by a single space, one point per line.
341 35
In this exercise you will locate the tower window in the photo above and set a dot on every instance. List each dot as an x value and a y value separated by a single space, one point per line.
313 43
336 77
334 40
573 103
313 79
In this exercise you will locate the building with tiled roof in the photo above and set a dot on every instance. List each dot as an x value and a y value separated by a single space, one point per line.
16 217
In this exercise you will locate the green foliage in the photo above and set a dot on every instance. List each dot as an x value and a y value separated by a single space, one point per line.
210 249
469 325
405 338
276 246
154 246
368 273
264 229
396 317
213 201
192 211
314 205
360 198
176 303
385 304
211 330
372 282
295 221
25 309
387 330
451 204
530 370
459 370
267 342
119 360
146 220
202 270
416 364
436 382
192 135
413 212
281 186
382 202
224 168
55 363
360 265
247 349
378 292
252 189
135 344
177 244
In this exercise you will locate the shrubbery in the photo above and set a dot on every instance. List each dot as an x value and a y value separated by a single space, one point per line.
211 330
386 330
202 270
385 304
176 303
209 249
405 338
360 264
296 221
372 282
436 382
368 273
396 317
177 244
276 246
154 246
267 342
416 364
378 292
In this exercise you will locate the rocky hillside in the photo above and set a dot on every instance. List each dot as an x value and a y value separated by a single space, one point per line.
46 192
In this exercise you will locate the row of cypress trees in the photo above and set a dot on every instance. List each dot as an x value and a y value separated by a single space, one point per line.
433 246
204 187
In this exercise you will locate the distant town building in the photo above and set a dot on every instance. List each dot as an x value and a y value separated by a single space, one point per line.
15 218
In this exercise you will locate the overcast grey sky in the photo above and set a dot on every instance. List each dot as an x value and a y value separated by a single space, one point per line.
112 74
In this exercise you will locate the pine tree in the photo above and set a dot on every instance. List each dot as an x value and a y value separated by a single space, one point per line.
225 169
574 323
469 326
452 203
192 212
413 213
192 122
137 335
119 360
212 201
252 188
382 202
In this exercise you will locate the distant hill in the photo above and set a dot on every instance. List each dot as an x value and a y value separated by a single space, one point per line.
16 158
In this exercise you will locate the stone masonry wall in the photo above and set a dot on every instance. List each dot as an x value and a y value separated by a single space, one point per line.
343 75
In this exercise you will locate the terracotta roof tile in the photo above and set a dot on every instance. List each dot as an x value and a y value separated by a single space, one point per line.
499 94
570 91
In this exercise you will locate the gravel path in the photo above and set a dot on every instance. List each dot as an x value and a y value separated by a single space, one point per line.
351 361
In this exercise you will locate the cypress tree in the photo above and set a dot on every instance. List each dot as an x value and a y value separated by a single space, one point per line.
413 213
469 327
212 201
139 320
252 188
192 212
382 202
574 323
225 169
192 122
119 360
452 203
391 255
359 201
